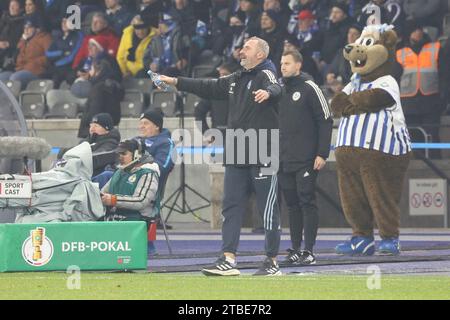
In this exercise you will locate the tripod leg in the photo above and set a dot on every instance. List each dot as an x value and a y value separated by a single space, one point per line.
198 194
166 235
174 203
171 196
195 215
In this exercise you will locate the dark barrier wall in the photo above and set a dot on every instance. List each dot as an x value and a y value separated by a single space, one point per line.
331 218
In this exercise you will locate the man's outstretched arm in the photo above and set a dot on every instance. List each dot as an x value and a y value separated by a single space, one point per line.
205 88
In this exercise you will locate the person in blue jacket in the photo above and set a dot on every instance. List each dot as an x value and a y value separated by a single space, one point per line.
62 52
158 144
158 141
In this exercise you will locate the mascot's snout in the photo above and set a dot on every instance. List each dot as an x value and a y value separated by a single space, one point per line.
356 54
348 48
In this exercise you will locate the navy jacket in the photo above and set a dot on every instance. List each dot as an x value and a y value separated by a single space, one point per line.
62 51
120 20
161 147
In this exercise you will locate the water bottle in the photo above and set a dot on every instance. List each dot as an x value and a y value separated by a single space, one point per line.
157 80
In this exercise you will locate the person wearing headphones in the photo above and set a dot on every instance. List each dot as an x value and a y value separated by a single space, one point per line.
132 192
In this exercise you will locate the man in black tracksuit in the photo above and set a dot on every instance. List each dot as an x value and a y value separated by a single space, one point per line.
252 95
305 135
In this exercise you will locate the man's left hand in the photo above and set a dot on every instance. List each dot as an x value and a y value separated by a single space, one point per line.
107 199
261 96
319 163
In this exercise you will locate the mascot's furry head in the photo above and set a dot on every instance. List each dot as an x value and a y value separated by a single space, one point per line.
373 54
371 57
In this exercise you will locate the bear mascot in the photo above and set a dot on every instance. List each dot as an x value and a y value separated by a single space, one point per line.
373 146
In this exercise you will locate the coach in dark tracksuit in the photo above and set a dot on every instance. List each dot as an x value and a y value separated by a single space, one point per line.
252 95
305 135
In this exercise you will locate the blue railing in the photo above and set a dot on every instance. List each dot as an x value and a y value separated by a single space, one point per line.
220 150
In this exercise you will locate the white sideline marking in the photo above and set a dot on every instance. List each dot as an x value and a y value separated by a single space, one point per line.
434 238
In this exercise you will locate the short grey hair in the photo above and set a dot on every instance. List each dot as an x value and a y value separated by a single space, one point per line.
102 16
263 46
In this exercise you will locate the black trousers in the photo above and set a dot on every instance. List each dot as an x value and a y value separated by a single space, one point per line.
239 183
299 190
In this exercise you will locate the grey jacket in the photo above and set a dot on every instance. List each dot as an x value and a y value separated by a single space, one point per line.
144 197
63 194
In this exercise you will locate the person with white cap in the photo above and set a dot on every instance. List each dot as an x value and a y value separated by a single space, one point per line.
102 33
97 52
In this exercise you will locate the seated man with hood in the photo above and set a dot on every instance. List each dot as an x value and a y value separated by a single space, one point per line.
132 192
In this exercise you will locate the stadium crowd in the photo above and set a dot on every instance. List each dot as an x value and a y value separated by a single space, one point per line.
123 39
119 41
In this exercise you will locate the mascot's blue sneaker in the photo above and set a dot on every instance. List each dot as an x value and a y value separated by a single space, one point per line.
389 247
357 246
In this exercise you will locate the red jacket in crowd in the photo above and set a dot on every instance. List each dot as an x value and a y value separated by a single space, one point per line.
107 36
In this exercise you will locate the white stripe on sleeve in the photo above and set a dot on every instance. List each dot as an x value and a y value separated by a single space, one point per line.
323 101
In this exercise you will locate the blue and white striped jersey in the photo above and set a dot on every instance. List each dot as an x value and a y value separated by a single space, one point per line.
383 131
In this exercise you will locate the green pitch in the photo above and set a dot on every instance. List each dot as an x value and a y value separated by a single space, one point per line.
197 287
